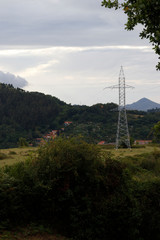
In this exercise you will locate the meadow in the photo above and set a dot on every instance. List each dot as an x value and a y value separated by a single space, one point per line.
143 162
138 150
14 155
80 191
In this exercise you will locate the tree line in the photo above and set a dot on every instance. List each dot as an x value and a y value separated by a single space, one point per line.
30 115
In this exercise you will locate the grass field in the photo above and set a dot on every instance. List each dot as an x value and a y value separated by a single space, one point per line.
132 152
14 155
142 163
19 236
30 234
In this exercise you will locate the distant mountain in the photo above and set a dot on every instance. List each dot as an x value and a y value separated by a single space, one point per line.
144 104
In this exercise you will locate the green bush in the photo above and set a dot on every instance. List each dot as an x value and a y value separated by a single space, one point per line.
2 156
151 161
22 142
71 186
148 199
12 153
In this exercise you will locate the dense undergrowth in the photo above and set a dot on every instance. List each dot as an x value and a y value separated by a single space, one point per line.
71 187
144 167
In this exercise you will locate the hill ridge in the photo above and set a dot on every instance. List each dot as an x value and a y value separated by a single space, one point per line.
144 104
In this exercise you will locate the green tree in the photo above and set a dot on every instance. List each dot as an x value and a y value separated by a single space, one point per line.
145 12
156 132
22 142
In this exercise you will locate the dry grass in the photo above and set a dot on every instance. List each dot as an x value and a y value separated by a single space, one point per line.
14 155
132 152
31 232
38 236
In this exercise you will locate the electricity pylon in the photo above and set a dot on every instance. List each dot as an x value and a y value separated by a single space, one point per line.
122 136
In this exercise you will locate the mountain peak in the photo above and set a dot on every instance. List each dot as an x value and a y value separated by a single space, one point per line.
144 104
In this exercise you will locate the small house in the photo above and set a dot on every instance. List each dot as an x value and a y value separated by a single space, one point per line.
142 142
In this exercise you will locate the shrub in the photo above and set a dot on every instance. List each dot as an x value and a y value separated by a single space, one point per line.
12 153
75 189
148 198
2 156
151 161
22 142
83 193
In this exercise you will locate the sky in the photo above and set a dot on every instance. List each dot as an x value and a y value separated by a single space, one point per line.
74 49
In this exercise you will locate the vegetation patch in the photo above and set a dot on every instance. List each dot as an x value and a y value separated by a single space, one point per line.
22 124
80 191
15 155
12 153
2 156
31 233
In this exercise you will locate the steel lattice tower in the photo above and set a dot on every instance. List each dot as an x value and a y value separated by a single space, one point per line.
122 136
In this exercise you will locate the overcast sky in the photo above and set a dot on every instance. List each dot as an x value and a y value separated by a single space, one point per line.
72 50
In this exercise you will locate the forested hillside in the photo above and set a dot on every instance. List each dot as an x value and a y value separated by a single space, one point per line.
32 114
27 114
99 122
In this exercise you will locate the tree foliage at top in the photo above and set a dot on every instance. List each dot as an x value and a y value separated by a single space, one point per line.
145 12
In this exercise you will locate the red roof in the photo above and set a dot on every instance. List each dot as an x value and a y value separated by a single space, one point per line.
143 141
101 143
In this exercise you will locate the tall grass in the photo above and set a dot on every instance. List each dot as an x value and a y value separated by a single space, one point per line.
144 166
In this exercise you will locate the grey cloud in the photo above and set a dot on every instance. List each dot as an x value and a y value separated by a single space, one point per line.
41 24
79 73
9 78
66 23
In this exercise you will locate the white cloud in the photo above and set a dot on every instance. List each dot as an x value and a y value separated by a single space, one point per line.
49 51
39 69
9 78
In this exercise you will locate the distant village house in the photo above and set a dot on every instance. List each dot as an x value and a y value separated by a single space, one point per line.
101 143
67 123
142 142
46 138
